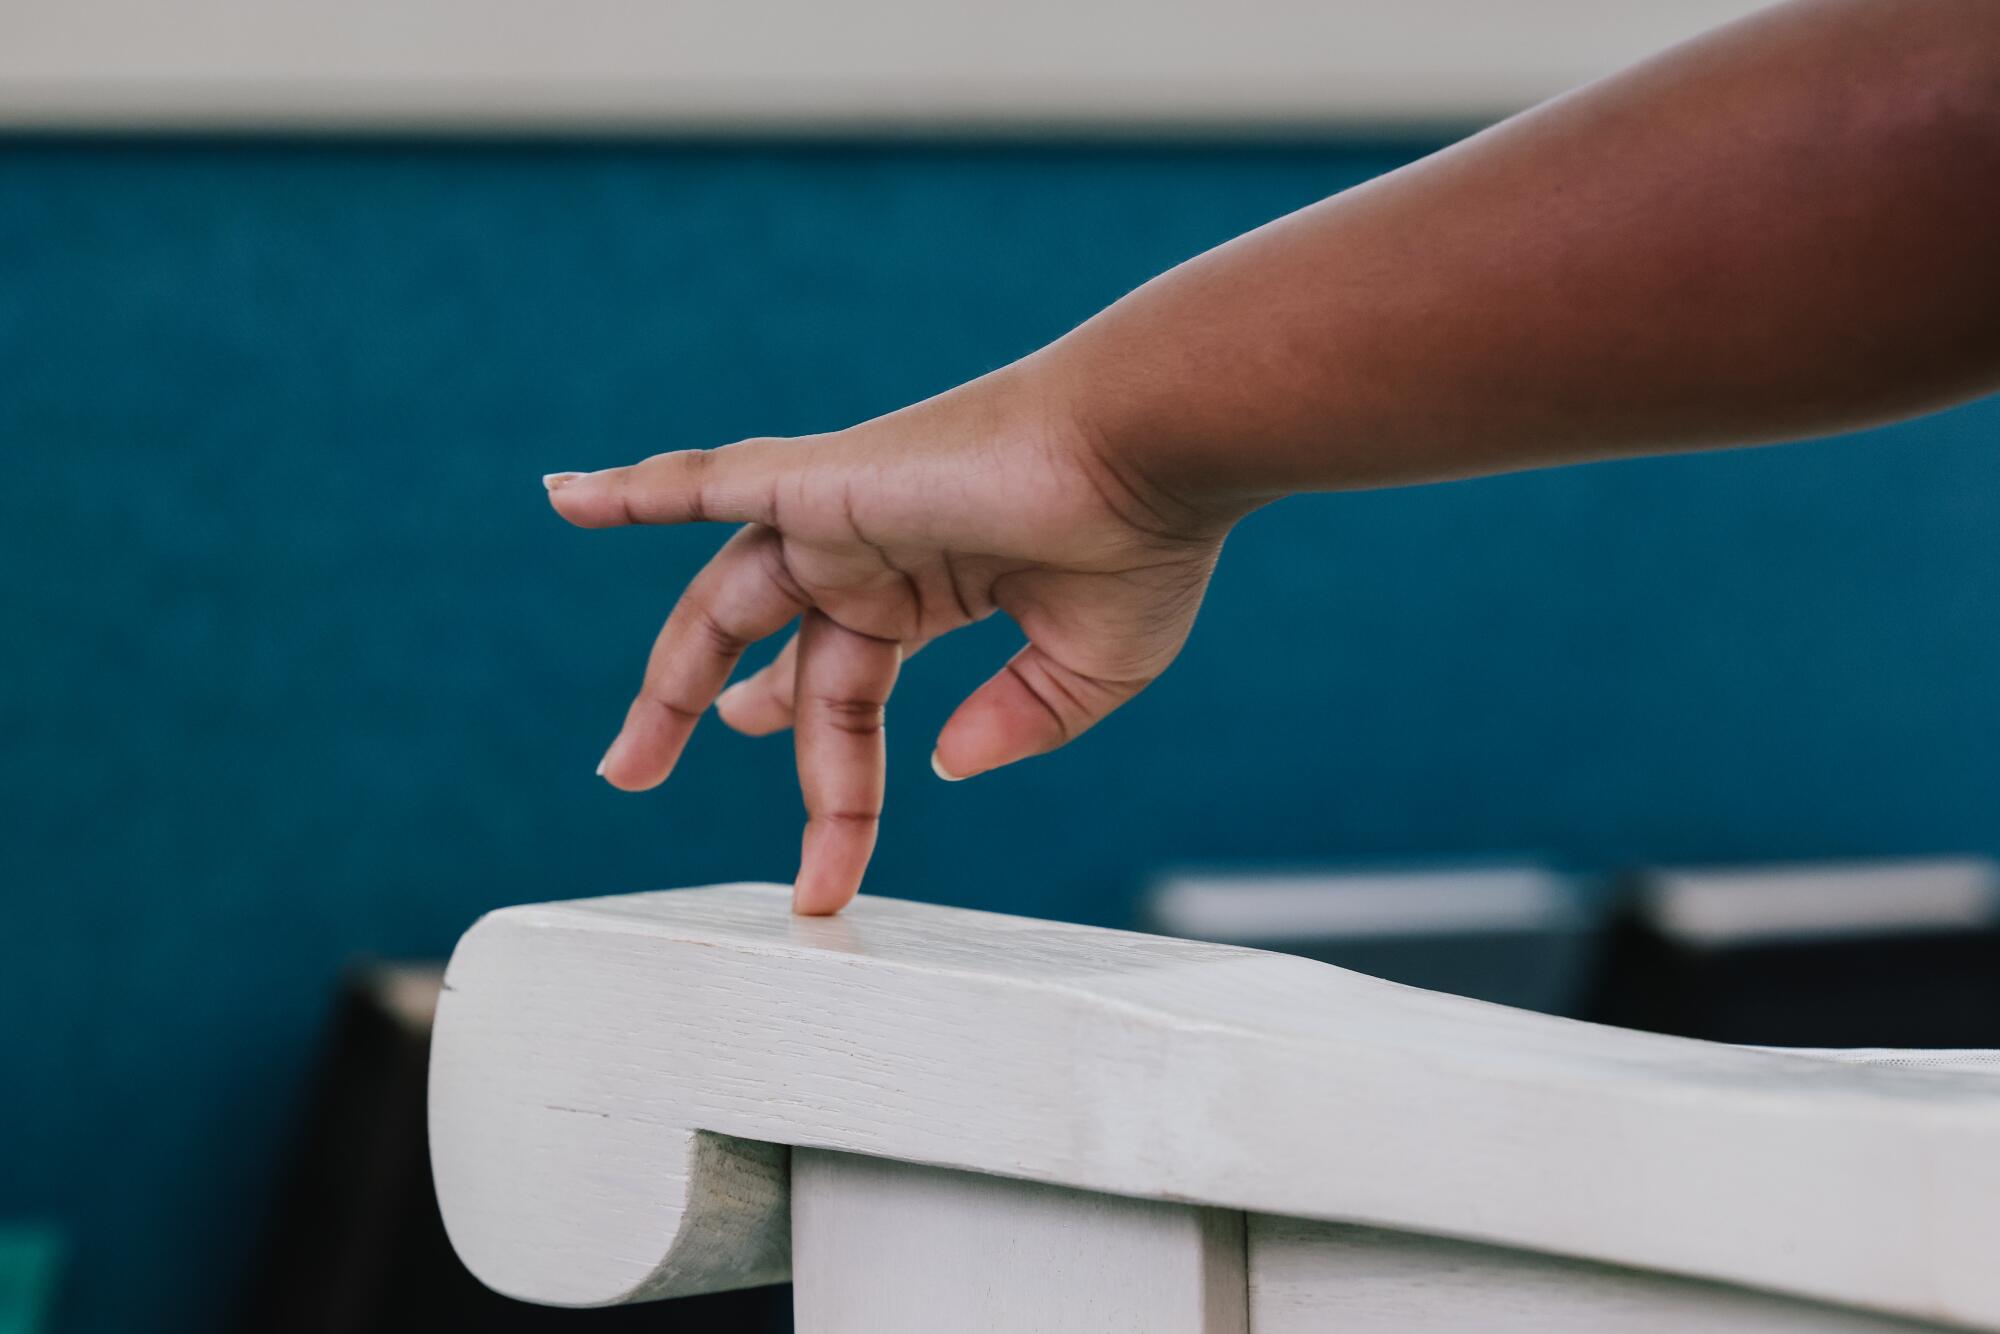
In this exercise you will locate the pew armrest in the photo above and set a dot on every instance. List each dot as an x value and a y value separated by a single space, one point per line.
616 1085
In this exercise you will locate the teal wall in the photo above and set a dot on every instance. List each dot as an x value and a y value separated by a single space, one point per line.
298 665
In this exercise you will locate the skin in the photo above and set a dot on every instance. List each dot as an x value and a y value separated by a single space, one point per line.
1788 227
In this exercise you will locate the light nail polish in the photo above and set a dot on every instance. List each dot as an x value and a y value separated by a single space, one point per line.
556 481
937 767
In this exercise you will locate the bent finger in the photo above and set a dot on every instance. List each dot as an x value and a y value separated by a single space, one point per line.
743 595
761 703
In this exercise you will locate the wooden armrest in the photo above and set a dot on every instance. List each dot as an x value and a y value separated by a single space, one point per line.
615 1082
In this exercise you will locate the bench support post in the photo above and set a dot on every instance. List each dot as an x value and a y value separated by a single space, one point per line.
1312 1278
881 1247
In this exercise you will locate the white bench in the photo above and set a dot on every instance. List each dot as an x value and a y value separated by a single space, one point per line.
931 1119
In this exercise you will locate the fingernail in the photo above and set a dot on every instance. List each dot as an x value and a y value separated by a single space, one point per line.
600 765
724 697
937 767
556 481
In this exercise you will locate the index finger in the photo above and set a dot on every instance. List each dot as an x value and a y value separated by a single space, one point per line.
731 484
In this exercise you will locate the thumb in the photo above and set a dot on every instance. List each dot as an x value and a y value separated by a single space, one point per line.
1030 707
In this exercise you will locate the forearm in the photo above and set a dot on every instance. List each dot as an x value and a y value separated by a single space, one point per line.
1789 227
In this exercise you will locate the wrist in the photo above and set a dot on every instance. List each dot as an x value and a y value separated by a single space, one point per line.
1130 429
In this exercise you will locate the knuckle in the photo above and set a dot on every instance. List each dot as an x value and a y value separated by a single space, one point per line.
857 717
673 709
719 638
858 816
669 484
1062 707
779 566
695 464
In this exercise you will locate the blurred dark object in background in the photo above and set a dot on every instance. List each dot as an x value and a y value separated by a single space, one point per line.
1516 934
1857 954
1864 954
355 1245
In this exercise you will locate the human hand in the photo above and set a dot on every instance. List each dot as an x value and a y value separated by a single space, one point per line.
878 539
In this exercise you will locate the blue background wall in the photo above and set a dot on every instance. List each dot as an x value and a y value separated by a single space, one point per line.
298 665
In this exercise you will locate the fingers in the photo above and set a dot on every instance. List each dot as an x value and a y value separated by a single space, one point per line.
1033 705
844 680
733 484
761 703
740 597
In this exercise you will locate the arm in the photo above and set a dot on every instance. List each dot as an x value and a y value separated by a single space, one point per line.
1788 227
1782 229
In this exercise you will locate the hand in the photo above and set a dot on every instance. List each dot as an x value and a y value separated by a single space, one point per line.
878 539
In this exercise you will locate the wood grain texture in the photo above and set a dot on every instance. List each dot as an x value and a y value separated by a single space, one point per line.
588 1055
881 1247
1311 1278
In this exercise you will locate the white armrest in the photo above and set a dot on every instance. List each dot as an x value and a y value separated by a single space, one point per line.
614 1082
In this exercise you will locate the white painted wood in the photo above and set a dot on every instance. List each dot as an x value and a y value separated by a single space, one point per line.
1332 1278
798 67
589 1054
881 1247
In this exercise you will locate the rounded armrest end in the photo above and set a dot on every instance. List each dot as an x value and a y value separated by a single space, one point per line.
561 1182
